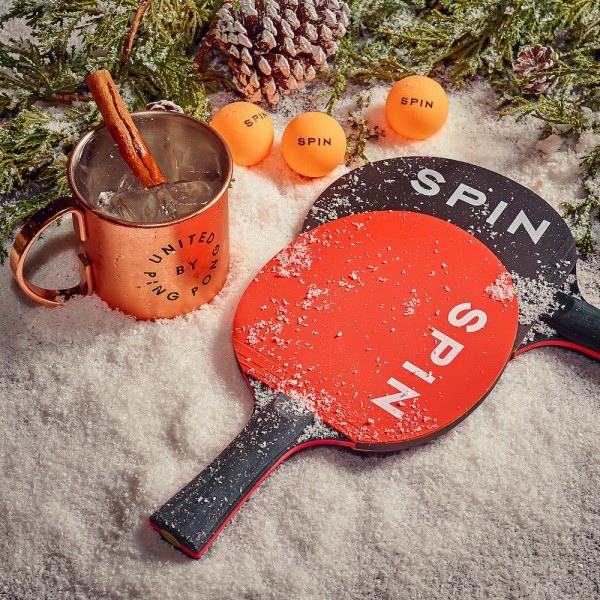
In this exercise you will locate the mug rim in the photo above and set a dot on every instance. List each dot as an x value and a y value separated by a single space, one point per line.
77 149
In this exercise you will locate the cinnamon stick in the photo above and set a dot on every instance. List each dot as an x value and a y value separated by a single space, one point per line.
123 130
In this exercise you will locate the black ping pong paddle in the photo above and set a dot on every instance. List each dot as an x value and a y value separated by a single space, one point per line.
375 332
530 238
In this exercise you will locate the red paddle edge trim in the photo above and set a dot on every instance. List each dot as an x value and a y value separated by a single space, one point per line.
193 554
560 343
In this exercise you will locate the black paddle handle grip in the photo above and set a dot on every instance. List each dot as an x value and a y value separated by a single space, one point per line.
577 321
192 518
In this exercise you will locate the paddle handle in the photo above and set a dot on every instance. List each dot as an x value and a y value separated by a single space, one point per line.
193 518
577 321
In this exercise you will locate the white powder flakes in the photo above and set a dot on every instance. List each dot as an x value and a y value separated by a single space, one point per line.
535 296
293 260
411 304
316 298
502 290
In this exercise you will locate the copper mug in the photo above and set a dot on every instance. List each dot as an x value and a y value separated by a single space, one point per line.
147 270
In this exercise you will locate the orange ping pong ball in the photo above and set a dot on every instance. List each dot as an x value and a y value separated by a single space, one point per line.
416 107
313 144
247 130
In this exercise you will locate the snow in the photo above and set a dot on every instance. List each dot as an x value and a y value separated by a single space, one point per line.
502 290
105 418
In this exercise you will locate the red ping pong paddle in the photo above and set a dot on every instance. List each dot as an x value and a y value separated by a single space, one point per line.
376 332
530 238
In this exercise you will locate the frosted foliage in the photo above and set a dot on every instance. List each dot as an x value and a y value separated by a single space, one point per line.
104 418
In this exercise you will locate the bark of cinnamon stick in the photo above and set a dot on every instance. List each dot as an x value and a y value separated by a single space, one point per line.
123 130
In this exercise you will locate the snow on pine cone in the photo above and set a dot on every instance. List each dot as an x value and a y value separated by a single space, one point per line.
275 47
539 59
164 106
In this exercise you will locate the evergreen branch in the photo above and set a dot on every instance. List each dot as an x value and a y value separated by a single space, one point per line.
585 68
356 141
30 75
582 213
160 61
582 216
33 159
338 77
35 138
592 161
386 68
55 23
361 64
129 38
453 32
181 22
555 111
580 17
168 75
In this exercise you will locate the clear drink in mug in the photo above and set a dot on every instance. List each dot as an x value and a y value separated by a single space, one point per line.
194 176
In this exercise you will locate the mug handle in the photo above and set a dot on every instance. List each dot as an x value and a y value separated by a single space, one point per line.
31 231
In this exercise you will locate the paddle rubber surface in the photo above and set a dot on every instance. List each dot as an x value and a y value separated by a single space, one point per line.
379 303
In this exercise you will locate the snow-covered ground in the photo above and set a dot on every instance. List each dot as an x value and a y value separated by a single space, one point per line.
103 418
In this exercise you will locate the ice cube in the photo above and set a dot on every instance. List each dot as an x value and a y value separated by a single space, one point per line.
154 205
132 202
165 202
173 157
104 201
203 164
189 196
109 203
90 182
128 182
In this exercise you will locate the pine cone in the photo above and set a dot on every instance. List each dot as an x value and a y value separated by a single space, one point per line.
274 47
538 59
164 106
